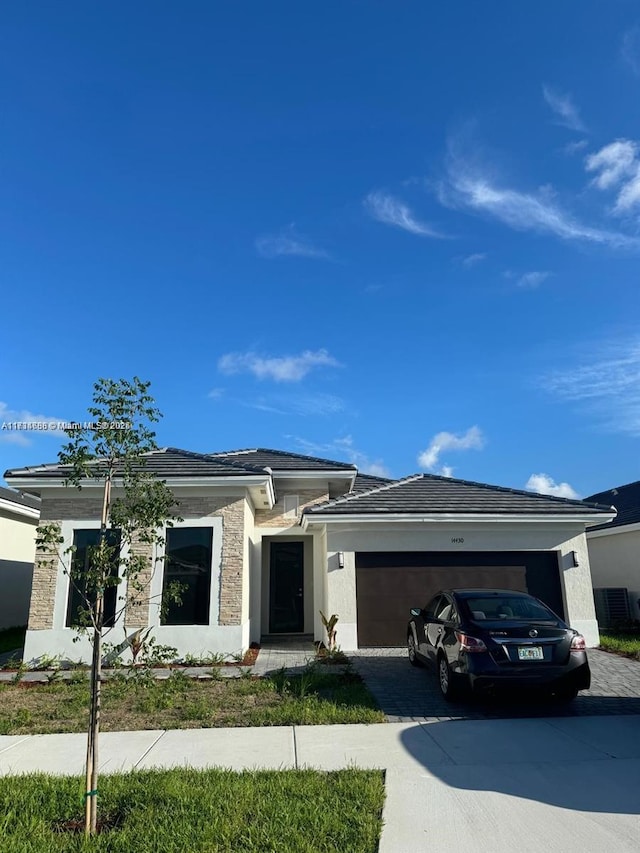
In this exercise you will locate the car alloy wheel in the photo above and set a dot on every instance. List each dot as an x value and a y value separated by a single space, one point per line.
444 678
411 650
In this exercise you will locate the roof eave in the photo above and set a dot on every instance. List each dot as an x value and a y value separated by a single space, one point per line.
310 518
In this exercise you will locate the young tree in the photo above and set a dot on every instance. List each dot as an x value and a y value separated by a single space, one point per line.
110 451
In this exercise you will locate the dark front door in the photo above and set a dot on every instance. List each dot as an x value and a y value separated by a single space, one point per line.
286 592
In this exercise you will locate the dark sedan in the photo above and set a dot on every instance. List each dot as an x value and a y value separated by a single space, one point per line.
487 639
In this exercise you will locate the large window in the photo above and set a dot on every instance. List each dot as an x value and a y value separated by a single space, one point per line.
188 557
82 591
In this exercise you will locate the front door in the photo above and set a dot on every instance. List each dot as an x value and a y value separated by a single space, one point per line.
286 591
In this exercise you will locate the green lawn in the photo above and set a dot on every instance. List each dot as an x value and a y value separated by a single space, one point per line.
627 644
314 698
11 638
189 811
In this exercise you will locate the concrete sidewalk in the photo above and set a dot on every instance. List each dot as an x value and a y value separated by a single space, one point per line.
559 785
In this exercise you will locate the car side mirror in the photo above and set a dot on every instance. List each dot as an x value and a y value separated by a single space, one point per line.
416 611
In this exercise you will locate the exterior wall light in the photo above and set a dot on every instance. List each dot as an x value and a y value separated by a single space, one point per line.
341 559
574 559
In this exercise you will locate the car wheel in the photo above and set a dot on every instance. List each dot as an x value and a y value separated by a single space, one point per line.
412 651
444 678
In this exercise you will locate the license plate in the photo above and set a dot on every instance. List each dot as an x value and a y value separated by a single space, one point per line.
530 653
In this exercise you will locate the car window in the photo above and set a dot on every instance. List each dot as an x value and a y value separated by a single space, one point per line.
432 607
497 608
445 609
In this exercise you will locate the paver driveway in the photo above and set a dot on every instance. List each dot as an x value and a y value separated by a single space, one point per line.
408 693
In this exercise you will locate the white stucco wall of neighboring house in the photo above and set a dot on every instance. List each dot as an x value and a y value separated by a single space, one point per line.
17 552
615 561
499 536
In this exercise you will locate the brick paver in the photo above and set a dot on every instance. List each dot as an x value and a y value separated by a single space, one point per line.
407 693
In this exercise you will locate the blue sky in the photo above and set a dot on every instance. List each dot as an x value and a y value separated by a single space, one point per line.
404 235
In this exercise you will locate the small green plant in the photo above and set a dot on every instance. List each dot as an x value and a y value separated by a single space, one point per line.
280 680
154 654
330 627
45 662
20 671
138 643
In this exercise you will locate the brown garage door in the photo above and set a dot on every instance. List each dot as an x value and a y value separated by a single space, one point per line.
385 594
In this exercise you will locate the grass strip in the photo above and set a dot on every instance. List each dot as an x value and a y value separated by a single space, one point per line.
129 704
180 811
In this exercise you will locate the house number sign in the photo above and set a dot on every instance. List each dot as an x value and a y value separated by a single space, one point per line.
457 540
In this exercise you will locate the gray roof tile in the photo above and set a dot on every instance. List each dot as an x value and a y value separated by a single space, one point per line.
282 460
626 499
430 494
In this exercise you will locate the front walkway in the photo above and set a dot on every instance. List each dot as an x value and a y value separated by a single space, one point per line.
406 693
292 653
487 785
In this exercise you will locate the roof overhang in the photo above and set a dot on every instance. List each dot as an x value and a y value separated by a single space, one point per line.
611 531
260 486
19 509
309 519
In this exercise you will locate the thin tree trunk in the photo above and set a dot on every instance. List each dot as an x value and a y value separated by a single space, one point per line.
91 790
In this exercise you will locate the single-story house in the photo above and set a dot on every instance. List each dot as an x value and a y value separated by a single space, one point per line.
19 514
271 538
614 554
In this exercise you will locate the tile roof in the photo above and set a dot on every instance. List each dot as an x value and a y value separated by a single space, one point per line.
430 494
166 462
282 460
366 482
19 498
626 499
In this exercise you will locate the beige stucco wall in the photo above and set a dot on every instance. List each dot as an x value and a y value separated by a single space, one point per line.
17 554
615 561
17 537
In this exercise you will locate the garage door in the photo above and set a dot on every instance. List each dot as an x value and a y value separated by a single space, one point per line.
388 585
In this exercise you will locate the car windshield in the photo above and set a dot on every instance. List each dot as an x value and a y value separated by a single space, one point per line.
497 609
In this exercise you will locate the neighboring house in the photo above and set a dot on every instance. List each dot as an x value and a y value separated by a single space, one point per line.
270 538
19 516
614 553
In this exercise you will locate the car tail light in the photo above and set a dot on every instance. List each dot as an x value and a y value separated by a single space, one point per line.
470 644
578 643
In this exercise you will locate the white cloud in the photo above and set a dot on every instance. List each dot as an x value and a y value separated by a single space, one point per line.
472 439
343 448
566 111
545 485
446 471
630 50
574 147
302 405
606 384
288 368
23 437
391 211
471 188
288 243
617 165
613 163
215 393
531 280
472 260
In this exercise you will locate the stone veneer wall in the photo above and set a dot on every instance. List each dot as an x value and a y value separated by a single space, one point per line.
275 517
231 509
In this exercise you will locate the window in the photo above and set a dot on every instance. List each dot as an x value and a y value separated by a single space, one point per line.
188 557
291 506
80 587
434 605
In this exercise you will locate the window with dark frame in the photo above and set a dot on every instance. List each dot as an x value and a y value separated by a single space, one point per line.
188 558
81 594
